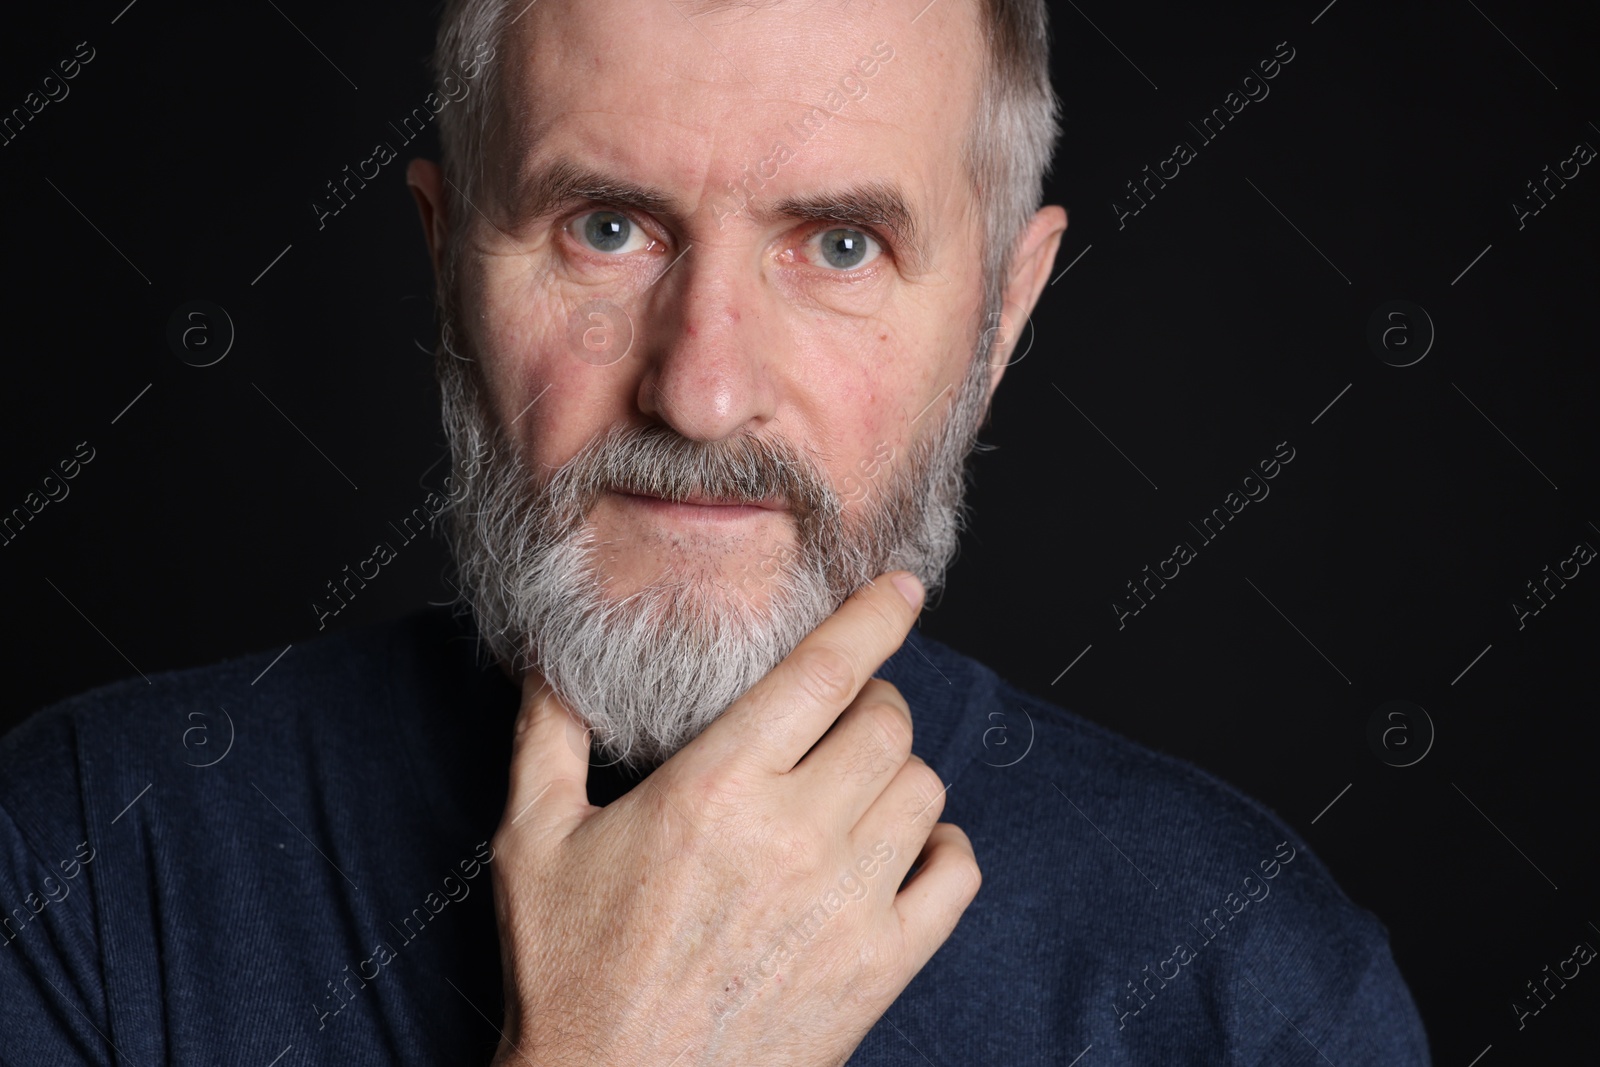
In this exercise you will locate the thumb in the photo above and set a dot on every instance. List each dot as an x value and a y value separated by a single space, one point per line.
549 761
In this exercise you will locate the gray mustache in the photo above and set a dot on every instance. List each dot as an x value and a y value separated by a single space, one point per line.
656 461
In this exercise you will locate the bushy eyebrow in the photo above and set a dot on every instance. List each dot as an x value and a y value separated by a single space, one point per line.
873 203
543 190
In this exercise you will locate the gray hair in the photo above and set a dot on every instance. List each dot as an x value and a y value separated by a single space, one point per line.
1006 153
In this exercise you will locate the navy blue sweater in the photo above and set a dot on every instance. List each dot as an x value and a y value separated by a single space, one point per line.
293 868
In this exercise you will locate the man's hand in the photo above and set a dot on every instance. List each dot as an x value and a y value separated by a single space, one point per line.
741 905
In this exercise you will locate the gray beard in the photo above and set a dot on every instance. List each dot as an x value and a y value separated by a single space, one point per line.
647 672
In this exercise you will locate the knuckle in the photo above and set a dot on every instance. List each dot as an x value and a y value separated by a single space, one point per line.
795 849
891 727
970 879
927 789
875 973
880 691
826 674
691 828
708 796
873 961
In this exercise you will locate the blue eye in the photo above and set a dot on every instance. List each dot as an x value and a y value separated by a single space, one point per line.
606 231
845 249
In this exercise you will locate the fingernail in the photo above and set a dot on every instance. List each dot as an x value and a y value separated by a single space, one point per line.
909 588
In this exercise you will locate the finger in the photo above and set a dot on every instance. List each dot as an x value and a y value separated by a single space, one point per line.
858 757
780 718
930 905
902 817
549 761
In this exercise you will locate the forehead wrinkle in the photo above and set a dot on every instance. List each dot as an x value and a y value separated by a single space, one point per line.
533 177
541 187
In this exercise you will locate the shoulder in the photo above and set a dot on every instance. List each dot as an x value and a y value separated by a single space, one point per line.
110 741
277 678
1015 745
1177 896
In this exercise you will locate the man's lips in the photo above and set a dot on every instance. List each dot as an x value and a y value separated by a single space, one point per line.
774 503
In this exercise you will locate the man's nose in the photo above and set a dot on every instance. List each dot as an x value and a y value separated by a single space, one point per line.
709 374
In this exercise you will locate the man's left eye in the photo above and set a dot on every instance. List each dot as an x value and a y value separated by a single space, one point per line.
608 231
842 248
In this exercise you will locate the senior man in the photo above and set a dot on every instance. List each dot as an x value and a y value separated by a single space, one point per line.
725 290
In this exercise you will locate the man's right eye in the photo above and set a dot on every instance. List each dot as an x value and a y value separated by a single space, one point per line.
608 231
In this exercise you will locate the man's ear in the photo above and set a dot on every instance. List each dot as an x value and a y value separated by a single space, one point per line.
426 181
1030 271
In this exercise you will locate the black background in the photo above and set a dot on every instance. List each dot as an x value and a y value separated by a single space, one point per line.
1222 319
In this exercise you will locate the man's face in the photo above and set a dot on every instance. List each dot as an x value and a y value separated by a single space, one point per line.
768 330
